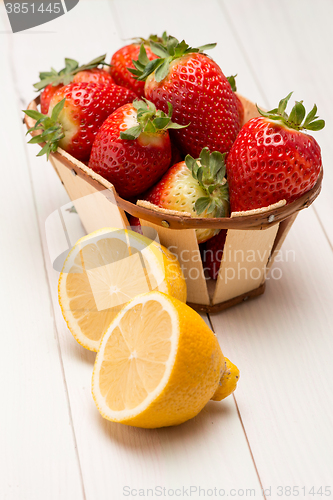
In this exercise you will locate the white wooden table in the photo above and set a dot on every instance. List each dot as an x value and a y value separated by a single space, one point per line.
277 432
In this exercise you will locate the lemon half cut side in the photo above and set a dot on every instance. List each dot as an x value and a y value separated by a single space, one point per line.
106 269
158 364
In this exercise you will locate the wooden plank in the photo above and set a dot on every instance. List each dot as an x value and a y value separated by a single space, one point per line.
35 420
283 345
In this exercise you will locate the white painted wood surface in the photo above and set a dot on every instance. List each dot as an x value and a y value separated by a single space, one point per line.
54 444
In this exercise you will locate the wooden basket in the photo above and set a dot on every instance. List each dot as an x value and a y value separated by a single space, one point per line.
259 234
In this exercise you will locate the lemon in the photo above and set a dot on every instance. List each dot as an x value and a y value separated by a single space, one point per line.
103 271
158 364
228 382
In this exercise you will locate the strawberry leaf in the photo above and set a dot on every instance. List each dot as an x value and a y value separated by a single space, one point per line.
208 46
283 104
209 171
57 110
67 74
150 120
232 80
162 123
162 70
159 50
51 129
176 126
316 125
297 113
143 58
296 118
202 204
132 133
167 51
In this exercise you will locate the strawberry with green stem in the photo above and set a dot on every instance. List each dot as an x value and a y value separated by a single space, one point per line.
122 63
194 186
198 91
75 115
132 149
273 158
51 81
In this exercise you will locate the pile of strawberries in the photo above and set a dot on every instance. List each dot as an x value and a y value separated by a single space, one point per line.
163 124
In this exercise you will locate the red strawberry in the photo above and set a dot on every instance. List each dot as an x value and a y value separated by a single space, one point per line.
176 155
135 224
122 60
232 81
76 113
51 81
132 149
46 96
95 75
212 254
180 189
272 159
198 91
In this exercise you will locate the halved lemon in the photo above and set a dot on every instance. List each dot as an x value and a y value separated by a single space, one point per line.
106 269
158 364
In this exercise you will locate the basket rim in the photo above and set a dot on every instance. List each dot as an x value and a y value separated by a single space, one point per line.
257 221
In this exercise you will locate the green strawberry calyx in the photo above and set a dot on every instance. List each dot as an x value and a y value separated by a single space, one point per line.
66 75
296 119
152 38
232 80
150 120
51 130
209 170
167 51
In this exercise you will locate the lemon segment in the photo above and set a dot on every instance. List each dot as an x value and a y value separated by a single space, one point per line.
158 364
106 269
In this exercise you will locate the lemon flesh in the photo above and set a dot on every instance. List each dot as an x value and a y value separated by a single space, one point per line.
158 364
105 270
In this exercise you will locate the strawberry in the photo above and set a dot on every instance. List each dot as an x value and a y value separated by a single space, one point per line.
176 155
75 115
273 159
132 149
232 80
197 187
135 224
198 91
122 62
46 96
51 81
95 75
212 254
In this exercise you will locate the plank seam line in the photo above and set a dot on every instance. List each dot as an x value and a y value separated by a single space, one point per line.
248 443
114 13
323 228
243 427
14 80
243 51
